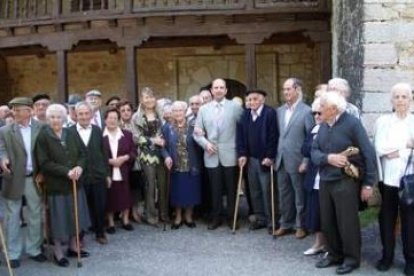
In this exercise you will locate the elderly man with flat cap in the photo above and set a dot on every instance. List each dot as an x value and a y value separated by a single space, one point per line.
257 138
94 98
18 165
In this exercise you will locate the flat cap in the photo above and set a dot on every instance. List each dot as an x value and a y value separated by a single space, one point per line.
21 101
39 97
93 93
256 90
74 99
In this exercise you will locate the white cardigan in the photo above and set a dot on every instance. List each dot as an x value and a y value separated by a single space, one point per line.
392 134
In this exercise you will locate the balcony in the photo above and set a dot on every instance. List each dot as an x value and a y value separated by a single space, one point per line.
14 13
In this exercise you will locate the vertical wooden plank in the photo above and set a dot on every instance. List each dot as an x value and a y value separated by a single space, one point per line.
131 74
16 8
57 8
6 9
251 65
128 6
62 76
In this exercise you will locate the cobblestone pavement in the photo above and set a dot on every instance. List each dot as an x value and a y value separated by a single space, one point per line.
152 251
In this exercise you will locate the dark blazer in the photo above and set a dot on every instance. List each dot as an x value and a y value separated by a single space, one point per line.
268 135
56 157
125 146
12 147
97 167
170 150
311 169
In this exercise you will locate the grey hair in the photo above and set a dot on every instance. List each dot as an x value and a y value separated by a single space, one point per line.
57 108
404 87
179 105
316 105
83 103
192 98
334 99
340 85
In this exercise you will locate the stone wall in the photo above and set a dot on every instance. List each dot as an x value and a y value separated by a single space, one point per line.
171 72
389 52
4 79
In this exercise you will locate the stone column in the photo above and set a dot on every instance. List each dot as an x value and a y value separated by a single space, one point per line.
131 74
62 80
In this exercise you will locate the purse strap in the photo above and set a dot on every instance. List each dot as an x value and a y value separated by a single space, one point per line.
409 161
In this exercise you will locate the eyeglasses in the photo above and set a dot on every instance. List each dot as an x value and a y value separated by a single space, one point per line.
316 113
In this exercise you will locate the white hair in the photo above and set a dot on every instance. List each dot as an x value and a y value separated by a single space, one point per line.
316 105
83 103
334 99
179 105
403 87
57 108
340 85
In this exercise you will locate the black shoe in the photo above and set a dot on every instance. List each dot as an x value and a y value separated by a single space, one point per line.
73 254
14 263
63 262
111 230
214 224
327 261
190 224
176 226
127 227
383 266
257 225
345 269
40 258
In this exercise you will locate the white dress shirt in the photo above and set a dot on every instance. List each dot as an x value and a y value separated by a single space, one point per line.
84 133
113 145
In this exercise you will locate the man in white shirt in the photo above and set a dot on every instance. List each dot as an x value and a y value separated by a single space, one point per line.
94 98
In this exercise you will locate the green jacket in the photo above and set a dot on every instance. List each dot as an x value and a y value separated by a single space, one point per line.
56 157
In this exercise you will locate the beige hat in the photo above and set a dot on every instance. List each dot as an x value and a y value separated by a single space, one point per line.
93 93
21 101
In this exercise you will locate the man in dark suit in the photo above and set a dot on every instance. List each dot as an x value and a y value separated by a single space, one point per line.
17 162
294 121
96 175
257 138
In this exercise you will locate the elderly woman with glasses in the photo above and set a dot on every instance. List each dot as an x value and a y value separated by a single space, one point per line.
61 161
181 159
311 186
394 137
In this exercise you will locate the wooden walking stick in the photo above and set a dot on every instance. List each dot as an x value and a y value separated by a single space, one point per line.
236 207
6 255
272 191
75 203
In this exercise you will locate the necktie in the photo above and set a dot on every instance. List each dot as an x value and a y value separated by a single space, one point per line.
219 116
254 115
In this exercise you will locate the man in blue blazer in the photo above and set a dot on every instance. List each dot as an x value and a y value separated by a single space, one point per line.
215 132
294 121
257 138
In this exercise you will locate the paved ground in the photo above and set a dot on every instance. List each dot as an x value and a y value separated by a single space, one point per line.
150 251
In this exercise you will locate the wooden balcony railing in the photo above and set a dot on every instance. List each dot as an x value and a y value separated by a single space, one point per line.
20 11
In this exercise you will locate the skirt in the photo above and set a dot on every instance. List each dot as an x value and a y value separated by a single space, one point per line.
62 215
119 197
185 189
313 217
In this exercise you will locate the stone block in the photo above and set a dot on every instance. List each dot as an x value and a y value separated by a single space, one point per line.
376 102
381 80
368 121
380 54
378 12
45 29
22 30
379 32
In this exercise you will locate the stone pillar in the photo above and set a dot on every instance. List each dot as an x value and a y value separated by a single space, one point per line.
251 66
62 76
131 74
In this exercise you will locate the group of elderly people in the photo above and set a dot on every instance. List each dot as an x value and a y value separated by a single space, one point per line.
113 159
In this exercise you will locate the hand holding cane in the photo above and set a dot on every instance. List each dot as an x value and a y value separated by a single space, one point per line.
236 207
75 203
6 255
272 191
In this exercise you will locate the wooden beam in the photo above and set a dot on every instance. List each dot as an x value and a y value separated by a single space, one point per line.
128 6
250 65
62 76
131 74
325 57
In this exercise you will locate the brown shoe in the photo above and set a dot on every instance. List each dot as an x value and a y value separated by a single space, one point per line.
282 231
102 240
300 233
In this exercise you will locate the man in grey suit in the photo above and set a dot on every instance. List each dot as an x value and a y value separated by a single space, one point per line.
16 148
294 122
215 132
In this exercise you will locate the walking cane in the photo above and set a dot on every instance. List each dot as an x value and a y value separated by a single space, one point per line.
236 207
6 255
272 191
75 203
45 218
168 195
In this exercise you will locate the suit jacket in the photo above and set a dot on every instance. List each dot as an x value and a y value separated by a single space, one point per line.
225 140
125 146
12 147
292 136
268 135
97 167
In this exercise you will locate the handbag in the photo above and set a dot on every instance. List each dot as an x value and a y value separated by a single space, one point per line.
406 189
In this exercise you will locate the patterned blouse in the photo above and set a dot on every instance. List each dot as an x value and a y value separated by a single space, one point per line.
182 160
